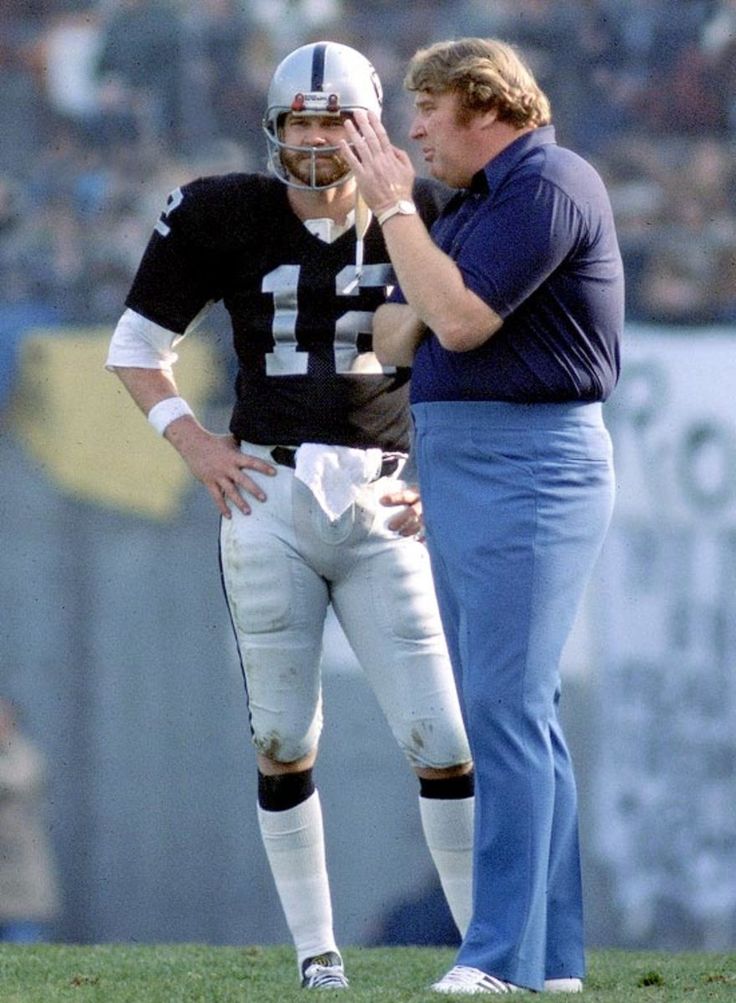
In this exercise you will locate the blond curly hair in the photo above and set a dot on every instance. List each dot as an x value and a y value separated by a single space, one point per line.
486 74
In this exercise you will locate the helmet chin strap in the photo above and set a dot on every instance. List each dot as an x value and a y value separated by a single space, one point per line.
363 217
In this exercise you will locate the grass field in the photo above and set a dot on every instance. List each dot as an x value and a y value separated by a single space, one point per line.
198 974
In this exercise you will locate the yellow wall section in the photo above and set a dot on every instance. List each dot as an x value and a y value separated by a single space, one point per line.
78 422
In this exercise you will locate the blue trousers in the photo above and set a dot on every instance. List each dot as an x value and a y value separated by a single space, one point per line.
517 500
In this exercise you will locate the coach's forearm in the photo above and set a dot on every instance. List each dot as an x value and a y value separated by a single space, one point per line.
434 287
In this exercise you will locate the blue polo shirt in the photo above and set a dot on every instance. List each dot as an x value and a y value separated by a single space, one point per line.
534 237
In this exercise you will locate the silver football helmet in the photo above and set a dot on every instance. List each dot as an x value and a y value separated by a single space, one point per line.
322 78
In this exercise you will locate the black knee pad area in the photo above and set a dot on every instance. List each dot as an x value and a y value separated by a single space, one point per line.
449 789
284 791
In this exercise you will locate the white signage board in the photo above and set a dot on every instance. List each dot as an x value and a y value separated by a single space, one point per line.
665 639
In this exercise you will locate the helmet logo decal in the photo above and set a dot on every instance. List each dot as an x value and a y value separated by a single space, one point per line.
315 103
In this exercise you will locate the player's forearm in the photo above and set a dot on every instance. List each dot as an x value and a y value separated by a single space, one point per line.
397 333
147 387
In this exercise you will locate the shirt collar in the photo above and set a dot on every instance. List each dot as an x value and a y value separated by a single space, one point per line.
488 179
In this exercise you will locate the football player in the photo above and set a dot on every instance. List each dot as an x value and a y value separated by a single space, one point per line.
318 442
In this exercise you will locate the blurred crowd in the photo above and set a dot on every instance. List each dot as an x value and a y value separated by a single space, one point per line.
110 104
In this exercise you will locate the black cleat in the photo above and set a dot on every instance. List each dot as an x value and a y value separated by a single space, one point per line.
324 971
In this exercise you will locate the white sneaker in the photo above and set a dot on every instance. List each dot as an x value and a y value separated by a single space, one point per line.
563 985
463 979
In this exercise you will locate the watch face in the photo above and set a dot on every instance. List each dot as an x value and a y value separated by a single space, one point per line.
405 206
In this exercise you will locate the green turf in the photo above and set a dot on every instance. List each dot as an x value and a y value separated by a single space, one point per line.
198 974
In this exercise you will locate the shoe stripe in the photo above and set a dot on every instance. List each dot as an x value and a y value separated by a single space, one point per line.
324 979
494 985
463 977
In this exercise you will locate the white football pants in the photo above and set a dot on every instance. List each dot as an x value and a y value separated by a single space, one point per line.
283 565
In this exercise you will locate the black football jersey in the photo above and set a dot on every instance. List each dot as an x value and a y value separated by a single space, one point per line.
300 323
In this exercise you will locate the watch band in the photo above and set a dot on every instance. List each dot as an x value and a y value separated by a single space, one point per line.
404 207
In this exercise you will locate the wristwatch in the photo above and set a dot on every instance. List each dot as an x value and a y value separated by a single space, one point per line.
404 207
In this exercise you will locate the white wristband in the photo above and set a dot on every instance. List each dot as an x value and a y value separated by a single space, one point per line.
162 414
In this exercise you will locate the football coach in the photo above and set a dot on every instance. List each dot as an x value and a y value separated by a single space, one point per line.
511 315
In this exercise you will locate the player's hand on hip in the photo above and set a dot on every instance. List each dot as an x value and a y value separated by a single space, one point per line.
216 461
408 520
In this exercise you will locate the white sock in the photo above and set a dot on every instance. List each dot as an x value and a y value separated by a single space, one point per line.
295 847
448 830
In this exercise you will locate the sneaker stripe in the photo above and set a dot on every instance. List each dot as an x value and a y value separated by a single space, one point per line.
464 979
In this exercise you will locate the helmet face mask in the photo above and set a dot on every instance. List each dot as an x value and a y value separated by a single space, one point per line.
321 79
302 164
